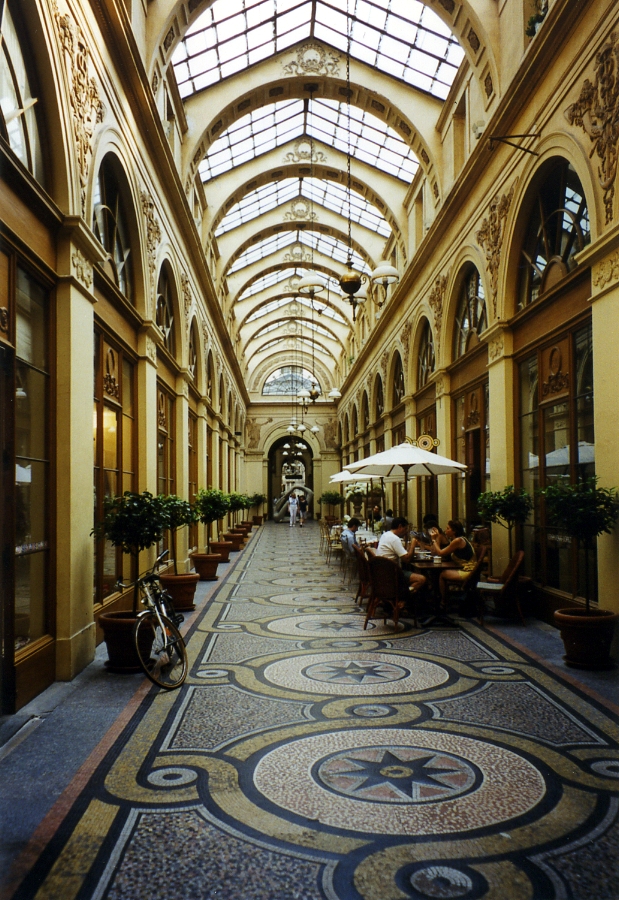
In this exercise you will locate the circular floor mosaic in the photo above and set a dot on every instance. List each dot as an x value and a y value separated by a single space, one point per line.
301 599
341 625
399 781
347 674
302 583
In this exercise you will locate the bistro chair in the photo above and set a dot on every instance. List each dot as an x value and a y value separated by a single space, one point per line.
386 591
364 591
504 591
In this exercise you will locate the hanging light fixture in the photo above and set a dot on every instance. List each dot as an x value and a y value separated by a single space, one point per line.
312 283
334 394
384 275
315 429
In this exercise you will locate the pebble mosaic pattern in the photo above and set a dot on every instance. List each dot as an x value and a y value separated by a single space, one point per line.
309 759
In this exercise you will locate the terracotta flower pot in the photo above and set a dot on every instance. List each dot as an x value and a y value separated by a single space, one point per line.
247 524
182 589
223 548
118 635
257 520
587 637
235 539
206 564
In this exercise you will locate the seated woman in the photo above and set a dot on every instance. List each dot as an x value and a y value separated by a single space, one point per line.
459 549
423 539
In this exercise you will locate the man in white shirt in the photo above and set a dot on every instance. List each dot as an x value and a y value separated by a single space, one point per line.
391 546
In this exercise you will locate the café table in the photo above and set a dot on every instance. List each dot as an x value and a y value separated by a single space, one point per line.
432 571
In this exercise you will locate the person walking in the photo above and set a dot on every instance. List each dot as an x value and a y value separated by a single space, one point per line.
293 506
302 509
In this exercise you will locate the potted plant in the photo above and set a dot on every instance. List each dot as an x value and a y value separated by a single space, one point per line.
507 508
584 511
331 499
134 522
256 501
237 503
210 506
177 514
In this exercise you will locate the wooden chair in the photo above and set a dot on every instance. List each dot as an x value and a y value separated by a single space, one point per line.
364 591
467 589
503 590
386 590
334 545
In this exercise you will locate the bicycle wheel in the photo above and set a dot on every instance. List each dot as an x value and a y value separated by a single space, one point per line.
161 652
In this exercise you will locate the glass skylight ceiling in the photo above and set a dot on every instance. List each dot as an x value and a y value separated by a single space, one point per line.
279 275
303 323
320 243
403 38
371 140
330 194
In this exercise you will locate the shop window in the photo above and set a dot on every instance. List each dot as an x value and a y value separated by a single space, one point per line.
110 226
165 309
31 462
365 413
557 444
165 442
472 447
398 382
558 229
192 362
426 361
114 457
18 107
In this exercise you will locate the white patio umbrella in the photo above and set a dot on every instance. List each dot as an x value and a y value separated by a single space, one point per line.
345 477
404 460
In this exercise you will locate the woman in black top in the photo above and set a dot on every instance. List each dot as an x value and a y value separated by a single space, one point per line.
459 549
302 509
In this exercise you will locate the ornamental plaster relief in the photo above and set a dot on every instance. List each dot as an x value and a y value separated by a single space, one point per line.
490 239
606 271
82 269
153 235
597 112
313 59
436 301
87 108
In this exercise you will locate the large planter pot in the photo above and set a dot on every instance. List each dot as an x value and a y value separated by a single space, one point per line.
240 531
587 637
206 564
118 635
235 539
257 520
223 548
182 589
247 524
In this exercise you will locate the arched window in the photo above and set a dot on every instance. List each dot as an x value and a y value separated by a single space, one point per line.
365 412
398 381
209 377
192 362
425 360
165 308
558 228
471 316
221 395
346 429
290 380
18 108
380 399
355 422
110 226
229 408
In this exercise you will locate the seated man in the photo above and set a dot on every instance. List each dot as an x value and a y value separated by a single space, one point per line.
348 537
388 520
391 546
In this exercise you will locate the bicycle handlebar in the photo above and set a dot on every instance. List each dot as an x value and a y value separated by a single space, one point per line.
149 575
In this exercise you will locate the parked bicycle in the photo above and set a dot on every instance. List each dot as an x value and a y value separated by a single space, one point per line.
158 642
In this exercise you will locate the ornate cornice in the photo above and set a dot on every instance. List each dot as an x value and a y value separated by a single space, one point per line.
490 238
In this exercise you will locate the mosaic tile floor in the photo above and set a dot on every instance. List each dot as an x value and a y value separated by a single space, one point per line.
308 759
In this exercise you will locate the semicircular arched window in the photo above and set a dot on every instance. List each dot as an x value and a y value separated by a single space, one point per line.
380 399
398 381
290 380
18 107
165 309
209 377
346 430
558 229
425 360
355 422
365 412
471 315
110 226
192 362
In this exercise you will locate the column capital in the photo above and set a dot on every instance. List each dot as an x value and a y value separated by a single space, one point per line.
500 341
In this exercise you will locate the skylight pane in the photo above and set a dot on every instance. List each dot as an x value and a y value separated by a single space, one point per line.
335 38
260 12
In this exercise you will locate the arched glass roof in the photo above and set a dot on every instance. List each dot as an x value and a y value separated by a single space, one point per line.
277 276
371 140
330 194
403 38
302 323
321 243
289 380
